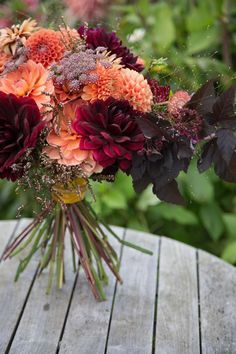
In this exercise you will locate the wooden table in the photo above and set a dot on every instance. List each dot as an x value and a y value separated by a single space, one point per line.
180 300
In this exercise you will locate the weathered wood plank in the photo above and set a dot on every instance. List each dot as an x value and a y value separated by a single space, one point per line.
43 318
88 320
12 294
218 305
131 329
177 329
7 228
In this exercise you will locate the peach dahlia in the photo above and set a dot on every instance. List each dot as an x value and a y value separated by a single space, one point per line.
133 87
29 80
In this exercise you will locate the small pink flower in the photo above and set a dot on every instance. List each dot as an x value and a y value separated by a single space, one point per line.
177 101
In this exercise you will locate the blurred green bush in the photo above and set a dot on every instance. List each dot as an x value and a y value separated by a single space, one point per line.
198 38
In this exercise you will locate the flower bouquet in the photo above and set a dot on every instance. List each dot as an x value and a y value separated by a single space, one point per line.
75 108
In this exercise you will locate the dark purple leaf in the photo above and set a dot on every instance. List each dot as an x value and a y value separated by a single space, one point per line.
149 128
138 167
141 184
224 106
203 99
226 142
224 171
169 193
207 156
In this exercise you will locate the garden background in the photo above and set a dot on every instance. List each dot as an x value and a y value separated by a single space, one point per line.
187 42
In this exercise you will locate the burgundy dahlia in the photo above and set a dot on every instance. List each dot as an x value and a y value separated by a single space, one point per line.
109 129
98 37
20 125
160 93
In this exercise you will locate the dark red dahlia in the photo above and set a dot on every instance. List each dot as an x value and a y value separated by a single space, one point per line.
20 125
160 93
109 129
98 37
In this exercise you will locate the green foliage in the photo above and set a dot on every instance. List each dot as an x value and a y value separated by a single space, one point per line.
190 34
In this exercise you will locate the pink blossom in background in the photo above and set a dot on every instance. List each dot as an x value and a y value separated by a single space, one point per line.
5 16
31 5
87 10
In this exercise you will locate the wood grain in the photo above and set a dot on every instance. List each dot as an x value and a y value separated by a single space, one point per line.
218 305
32 322
13 294
43 318
131 328
7 228
88 320
177 329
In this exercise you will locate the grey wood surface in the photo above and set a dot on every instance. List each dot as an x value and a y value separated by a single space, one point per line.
180 300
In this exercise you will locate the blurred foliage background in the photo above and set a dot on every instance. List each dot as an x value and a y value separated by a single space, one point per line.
191 40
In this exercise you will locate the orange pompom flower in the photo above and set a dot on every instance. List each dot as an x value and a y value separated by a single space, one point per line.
133 87
30 80
45 46
105 86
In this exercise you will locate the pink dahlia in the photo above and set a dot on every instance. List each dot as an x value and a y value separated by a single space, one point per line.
108 128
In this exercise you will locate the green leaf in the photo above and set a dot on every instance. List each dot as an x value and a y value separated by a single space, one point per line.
176 213
202 40
229 253
230 224
146 199
164 28
211 218
115 199
199 18
199 186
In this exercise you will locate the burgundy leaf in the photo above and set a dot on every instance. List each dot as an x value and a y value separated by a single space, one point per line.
149 128
226 142
169 193
207 156
203 99
224 106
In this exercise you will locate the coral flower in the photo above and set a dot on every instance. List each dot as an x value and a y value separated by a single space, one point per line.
30 80
106 85
135 89
45 46
177 101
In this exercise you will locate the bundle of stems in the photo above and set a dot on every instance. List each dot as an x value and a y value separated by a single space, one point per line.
89 240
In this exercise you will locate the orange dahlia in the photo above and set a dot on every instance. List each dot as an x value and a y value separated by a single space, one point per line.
133 87
4 58
70 37
64 146
30 80
105 86
45 46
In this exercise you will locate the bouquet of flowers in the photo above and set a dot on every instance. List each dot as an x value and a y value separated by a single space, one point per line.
75 107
